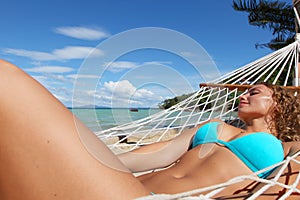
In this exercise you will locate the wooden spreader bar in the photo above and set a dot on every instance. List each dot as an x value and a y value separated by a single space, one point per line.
242 87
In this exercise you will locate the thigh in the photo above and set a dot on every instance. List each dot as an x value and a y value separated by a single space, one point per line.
42 155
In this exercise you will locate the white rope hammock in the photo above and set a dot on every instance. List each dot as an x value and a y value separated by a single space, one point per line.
217 99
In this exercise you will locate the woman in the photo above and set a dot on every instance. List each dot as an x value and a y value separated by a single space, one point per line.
42 155
266 111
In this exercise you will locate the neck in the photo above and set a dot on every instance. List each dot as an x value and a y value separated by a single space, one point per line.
257 125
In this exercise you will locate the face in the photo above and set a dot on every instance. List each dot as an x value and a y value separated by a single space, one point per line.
256 103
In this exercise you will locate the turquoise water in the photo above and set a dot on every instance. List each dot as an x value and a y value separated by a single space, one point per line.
103 118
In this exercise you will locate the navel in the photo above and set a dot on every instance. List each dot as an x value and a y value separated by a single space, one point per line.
179 175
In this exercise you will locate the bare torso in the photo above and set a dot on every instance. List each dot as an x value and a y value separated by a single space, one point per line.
194 170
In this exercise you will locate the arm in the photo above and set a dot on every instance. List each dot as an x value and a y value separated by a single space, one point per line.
158 155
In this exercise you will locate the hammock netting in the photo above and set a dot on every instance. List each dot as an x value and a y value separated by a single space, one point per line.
217 99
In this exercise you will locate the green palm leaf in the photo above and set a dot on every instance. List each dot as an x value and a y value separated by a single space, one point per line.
275 16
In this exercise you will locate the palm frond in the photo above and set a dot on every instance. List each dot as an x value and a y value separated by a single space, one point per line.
276 16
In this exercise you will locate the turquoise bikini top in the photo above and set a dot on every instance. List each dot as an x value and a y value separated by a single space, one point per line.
257 150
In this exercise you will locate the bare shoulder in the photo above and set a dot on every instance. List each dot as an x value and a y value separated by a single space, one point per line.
216 120
222 125
208 121
291 148
223 128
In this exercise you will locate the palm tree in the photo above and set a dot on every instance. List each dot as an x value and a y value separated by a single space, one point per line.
275 16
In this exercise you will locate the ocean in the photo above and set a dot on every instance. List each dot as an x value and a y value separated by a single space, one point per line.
98 119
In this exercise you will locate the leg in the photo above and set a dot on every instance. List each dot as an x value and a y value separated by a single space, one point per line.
41 153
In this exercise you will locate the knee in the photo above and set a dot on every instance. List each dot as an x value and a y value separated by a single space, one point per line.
9 70
7 66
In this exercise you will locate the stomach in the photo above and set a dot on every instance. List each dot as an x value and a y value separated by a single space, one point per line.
196 169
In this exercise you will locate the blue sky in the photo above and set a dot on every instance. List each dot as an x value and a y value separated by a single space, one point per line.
126 53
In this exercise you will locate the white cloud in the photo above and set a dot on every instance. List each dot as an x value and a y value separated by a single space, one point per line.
82 32
116 94
122 93
141 93
158 63
120 66
122 88
34 55
50 69
67 53
41 79
74 76
76 52
187 54
61 98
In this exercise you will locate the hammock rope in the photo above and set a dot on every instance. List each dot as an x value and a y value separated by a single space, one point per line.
217 99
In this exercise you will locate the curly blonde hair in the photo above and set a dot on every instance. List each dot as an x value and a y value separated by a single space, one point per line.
285 116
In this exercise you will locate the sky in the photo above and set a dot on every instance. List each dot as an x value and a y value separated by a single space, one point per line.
133 53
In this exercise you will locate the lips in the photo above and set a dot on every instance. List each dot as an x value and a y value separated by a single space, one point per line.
242 103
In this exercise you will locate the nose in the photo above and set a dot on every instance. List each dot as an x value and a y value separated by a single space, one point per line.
243 97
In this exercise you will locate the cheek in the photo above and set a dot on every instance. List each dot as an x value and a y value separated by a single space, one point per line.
265 103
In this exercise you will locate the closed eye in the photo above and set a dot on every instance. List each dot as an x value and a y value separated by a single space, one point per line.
254 91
